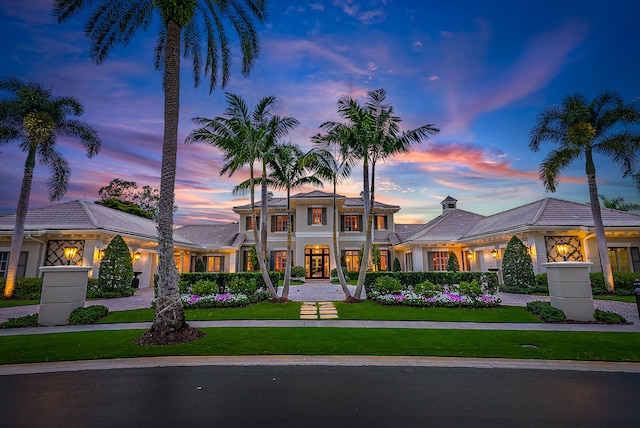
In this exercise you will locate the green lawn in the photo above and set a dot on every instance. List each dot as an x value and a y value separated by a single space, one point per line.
629 299
361 311
10 303
581 346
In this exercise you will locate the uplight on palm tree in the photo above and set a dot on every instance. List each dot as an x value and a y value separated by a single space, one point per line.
581 129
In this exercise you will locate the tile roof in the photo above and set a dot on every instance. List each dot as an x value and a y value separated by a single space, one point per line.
450 226
550 212
317 194
213 235
403 231
83 215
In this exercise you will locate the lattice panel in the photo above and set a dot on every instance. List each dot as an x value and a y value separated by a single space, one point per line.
55 252
573 255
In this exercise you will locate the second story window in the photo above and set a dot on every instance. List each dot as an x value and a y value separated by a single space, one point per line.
351 223
279 223
316 215
381 222
249 223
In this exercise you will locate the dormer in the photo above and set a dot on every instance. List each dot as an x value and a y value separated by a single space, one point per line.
449 204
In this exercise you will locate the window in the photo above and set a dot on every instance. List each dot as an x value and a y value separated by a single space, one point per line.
246 261
381 222
279 260
215 263
316 216
384 260
352 260
4 264
440 260
249 223
278 223
619 258
351 223
408 262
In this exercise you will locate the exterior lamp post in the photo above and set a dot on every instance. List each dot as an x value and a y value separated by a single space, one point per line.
563 248
70 252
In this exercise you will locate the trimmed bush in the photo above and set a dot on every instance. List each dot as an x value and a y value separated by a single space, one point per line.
545 311
20 322
517 268
240 285
610 317
204 287
116 268
452 263
298 272
428 289
388 285
489 280
470 288
396 265
199 266
88 315
25 288
333 275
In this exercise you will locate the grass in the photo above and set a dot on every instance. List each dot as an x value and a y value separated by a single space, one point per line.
361 311
11 303
628 299
553 345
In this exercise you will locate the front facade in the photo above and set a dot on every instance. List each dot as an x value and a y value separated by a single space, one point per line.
478 241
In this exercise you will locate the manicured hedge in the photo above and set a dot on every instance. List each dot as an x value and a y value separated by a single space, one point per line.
622 282
411 279
223 279
25 289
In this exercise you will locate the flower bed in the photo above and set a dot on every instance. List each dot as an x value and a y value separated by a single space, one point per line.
443 299
222 300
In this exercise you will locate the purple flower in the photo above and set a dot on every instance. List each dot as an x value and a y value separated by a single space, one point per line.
487 299
429 299
193 299
223 297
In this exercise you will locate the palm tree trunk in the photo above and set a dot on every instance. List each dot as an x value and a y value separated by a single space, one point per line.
287 269
18 230
367 247
169 315
264 212
256 238
601 238
336 248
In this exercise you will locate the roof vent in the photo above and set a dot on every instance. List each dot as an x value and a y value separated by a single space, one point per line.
449 203
269 195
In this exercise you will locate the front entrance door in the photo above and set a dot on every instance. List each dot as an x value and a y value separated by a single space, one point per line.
317 262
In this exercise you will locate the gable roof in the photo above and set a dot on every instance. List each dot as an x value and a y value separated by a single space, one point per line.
449 226
83 215
213 236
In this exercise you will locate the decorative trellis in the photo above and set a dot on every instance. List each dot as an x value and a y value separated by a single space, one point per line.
55 252
574 254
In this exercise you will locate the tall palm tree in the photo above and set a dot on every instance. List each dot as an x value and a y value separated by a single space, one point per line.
289 171
619 204
114 22
372 133
334 168
244 136
33 116
581 128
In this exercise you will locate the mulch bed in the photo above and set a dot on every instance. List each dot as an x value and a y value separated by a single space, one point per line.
184 335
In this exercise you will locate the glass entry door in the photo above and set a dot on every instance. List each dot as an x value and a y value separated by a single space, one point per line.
317 262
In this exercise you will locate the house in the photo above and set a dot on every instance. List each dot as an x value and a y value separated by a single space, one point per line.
478 241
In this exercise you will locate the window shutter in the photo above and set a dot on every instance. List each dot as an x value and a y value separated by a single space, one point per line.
324 216
272 260
222 264
247 223
430 260
309 215
342 223
245 260
273 223
343 257
293 222
386 226
360 223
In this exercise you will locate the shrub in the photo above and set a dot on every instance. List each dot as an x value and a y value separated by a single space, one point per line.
388 285
546 312
298 272
517 268
428 288
19 322
25 288
333 276
204 288
199 267
88 315
116 268
452 263
609 317
240 285
470 288
396 265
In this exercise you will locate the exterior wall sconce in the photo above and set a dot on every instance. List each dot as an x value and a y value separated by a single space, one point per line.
70 252
136 255
470 255
495 254
99 254
563 248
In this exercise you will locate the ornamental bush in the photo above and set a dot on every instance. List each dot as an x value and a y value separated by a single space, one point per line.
388 285
199 267
517 268
545 311
428 289
204 287
609 317
298 272
470 288
239 285
116 268
25 288
452 263
88 315
396 265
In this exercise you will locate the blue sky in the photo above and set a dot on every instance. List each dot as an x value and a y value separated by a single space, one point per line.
479 71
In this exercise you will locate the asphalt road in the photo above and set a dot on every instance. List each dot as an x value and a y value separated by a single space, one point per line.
320 396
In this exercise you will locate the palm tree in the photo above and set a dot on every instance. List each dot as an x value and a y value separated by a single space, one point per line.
582 128
371 133
289 170
244 136
619 204
35 117
115 22
335 168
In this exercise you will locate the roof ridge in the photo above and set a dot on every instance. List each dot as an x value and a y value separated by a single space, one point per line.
540 211
89 214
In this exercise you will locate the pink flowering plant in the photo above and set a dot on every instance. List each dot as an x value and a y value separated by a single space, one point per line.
463 295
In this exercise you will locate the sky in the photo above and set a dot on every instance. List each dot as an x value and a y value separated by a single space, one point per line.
480 71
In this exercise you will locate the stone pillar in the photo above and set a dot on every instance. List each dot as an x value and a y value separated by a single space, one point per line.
64 288
570 289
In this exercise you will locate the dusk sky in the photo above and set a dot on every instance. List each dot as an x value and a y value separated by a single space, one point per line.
480 71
